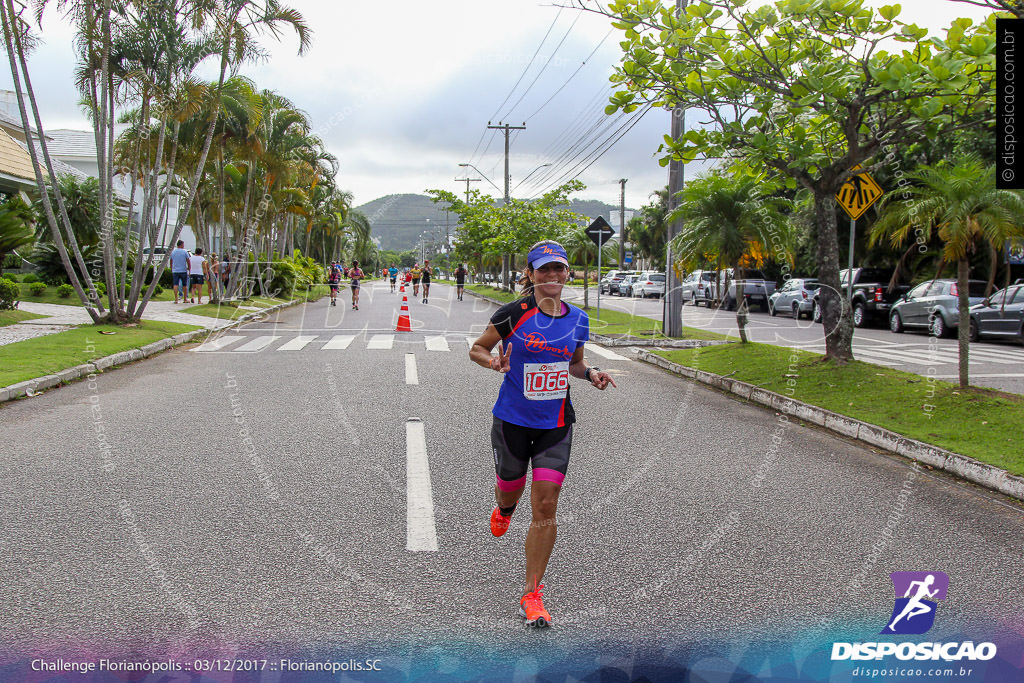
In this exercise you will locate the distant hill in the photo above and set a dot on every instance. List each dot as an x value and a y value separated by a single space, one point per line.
398 220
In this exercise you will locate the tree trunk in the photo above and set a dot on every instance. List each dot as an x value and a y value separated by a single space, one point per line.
963 269
838 323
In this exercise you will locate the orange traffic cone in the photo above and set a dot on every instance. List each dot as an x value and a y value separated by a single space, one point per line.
404 324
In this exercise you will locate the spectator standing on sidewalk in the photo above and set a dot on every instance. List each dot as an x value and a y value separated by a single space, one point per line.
213 282
199 272
179 271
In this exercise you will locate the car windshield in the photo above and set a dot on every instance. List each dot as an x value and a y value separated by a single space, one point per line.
812 286
657 278
751 274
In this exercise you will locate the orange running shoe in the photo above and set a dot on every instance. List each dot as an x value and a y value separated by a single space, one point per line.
531 608
499 522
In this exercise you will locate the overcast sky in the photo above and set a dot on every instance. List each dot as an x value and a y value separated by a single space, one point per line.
402 93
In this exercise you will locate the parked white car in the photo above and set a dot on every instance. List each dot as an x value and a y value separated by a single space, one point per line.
650 283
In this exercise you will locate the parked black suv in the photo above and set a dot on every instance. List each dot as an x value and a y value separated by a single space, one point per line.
872 298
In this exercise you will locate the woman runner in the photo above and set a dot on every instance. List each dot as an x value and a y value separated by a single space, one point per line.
540 344
355 274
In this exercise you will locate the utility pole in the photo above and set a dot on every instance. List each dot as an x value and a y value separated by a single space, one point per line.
505 259
467 181
672 313
622 224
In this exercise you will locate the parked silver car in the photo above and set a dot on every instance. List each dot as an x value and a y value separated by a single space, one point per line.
934 306
1001 315
695 283
625 286
796 297
648 284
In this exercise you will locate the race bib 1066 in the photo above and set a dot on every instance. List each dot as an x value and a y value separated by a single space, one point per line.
545 381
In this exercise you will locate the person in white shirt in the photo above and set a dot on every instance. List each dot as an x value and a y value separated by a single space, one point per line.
198 272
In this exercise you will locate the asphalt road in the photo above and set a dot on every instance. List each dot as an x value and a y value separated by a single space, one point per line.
226 501
995 364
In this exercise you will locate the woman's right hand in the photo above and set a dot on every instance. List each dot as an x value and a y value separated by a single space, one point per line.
502 362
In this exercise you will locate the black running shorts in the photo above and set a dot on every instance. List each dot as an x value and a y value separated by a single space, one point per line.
515 448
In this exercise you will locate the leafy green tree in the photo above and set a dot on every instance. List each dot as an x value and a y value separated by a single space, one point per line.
731 222
805 90
959 202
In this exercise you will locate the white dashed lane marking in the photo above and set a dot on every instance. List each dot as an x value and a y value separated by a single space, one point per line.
421 532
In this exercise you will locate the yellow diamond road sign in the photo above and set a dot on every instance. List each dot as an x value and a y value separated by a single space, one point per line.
858 194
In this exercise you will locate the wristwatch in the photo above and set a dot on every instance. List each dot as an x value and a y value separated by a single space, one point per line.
586 375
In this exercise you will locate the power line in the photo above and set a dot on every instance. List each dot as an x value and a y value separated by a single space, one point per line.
600 151
543 68
572 75
522 75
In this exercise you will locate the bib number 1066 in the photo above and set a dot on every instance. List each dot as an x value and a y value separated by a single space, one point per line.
546 381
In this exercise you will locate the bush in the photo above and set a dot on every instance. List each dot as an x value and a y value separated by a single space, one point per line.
9 293
37 288
30 277
101 288
165 278
13 277
158 290
65 291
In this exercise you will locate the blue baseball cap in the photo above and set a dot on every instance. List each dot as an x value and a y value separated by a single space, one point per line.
549 252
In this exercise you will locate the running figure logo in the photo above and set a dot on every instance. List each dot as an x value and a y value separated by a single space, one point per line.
917 594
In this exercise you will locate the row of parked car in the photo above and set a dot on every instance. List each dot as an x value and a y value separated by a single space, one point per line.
932 306
633 283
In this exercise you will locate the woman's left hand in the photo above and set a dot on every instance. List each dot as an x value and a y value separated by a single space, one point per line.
602 379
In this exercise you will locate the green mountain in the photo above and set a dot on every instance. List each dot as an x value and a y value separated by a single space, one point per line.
398 220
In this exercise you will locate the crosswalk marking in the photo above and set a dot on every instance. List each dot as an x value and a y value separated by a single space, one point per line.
297 344
469 341
338 342
218 343
437 344
258 343
381 341
605 353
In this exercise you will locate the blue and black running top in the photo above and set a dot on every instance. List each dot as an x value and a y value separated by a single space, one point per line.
535 390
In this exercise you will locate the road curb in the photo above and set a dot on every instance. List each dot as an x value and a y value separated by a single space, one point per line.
961 466
31 387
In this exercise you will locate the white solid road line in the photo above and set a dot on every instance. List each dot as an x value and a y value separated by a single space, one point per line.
297 344
258 343
605 353
340 341
437 344
217 344
411 377
381 341
420 530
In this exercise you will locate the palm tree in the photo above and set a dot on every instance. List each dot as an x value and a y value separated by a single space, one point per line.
959 202
728 220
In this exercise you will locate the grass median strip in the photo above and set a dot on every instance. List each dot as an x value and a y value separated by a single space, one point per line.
612 322
979 423
232 310
47 355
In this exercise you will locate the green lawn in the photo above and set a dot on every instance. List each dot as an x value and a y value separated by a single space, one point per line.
979 423
14 317
32 358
